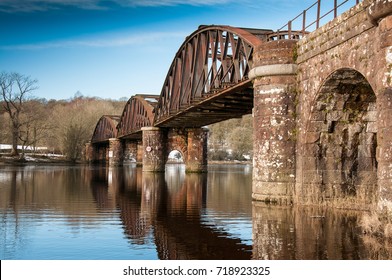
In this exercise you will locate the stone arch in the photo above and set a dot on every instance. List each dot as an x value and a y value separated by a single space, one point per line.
339 154
175 153
178 141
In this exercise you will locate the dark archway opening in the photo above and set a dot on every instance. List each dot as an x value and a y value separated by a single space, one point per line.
348 137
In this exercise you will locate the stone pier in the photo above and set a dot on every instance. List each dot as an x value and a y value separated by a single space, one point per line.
130 150
274 83
134 151
380 14
116 152
158 143
90 153
154 149
197 150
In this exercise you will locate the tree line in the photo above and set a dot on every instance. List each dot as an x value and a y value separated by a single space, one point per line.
231 139
64 126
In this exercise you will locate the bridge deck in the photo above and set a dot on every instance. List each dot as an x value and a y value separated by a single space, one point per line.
232 102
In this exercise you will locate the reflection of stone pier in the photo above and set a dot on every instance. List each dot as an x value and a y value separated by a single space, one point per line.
168 205
176 215
307 233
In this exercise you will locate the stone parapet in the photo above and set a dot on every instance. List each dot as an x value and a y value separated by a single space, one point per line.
345 27
379 9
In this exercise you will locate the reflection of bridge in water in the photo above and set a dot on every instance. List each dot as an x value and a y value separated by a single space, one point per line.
171 208
178 216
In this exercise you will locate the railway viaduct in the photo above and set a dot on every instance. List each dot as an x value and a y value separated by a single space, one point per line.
321 104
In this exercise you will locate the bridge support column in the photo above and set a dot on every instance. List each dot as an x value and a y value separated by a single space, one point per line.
380 14
116 152
196 160
274 122
101 153
154 149
130 152
90 153
384 150
139 155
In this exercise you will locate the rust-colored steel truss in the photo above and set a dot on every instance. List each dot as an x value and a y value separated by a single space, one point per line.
137 113
208 79
207 82
105 129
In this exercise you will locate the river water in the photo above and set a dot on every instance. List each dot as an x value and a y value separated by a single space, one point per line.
101 213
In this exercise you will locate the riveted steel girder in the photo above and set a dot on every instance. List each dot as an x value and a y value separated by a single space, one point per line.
137 113
208 78
105 129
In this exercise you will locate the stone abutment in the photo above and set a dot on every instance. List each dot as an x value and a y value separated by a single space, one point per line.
322 113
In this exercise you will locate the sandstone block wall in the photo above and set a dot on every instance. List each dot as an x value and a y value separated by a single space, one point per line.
343 78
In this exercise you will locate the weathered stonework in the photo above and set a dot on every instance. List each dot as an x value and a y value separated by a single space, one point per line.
191 143
339 149
154 149
115 152
103 153
178 140
89 153
323 113
274 121
343 123
130 150
197 150
94 153
140 152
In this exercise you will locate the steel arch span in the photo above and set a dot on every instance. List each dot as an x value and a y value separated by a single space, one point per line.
138 112
207 81
105 129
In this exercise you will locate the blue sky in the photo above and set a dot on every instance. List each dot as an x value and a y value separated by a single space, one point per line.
115 48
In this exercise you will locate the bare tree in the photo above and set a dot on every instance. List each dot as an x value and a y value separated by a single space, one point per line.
15 90
33 124
75 120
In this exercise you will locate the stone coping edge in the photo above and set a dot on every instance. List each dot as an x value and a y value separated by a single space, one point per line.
272 70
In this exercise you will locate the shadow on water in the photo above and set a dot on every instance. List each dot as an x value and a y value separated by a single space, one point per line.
177 215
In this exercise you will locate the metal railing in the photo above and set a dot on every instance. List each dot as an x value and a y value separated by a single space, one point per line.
287 32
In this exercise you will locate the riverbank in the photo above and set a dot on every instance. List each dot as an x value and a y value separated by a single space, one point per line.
213 162
34 159
60 159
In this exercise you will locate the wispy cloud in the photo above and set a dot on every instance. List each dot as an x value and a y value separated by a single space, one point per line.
109 41
148 3
12 6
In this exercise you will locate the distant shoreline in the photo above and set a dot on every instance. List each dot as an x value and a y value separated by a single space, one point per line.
42 160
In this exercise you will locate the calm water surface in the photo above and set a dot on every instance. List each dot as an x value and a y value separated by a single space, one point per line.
97 212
